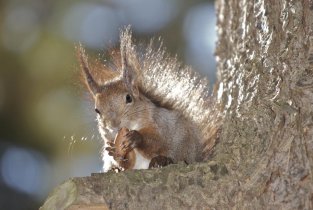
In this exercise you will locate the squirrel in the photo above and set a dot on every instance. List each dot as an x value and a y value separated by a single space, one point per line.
151 110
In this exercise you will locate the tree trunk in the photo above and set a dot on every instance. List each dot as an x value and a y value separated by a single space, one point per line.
265 53
264 158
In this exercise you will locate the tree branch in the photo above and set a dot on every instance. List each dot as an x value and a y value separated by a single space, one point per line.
175 185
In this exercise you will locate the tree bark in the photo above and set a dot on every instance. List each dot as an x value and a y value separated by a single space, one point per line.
264 158
265 66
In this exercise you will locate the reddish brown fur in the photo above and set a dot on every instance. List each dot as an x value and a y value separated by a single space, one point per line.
151 147
125 159
101 72
153 144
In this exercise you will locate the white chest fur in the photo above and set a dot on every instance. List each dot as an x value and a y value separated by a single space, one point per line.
141 162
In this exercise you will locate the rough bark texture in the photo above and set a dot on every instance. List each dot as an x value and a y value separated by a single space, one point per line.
264 158
266 71
176 186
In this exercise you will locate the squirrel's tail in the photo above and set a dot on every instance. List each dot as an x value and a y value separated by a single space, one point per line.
174 86
212 138
211 126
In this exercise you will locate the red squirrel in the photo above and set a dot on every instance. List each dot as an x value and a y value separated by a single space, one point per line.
151 110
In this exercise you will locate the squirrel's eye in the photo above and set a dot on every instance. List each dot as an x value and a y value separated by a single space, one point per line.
97 111
128 99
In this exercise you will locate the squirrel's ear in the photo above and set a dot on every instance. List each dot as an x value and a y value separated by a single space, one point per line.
129 75
92 85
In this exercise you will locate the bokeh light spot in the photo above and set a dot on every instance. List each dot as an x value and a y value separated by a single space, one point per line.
93 24
20 29
24 170
147 16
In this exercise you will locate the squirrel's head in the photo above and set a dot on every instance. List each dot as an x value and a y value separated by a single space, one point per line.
117 98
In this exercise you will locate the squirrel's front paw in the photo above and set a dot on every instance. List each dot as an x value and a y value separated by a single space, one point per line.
125 141
113 151
131 140
160 161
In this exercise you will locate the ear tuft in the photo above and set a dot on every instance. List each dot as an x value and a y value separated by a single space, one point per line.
130 79
83 59
128 58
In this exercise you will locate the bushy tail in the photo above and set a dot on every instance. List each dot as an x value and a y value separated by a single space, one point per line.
169 84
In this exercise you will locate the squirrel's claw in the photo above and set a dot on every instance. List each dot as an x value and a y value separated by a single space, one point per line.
160 161
128 146
110 149
111 143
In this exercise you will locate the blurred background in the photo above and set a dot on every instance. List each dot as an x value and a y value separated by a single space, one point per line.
47 122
